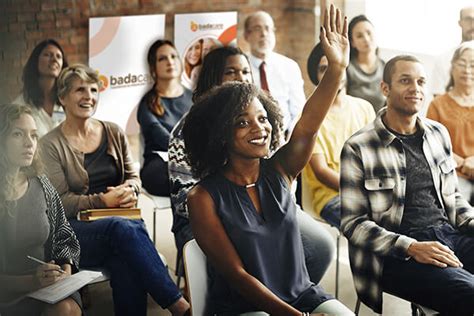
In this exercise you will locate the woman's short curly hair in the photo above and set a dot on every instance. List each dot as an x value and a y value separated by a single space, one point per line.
209 125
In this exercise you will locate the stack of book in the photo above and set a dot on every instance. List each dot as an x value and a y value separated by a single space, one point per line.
95 214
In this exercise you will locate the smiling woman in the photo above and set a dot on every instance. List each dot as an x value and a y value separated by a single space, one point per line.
242 212
90 165
39 84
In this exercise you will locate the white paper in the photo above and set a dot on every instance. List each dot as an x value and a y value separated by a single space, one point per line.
162 154
65 287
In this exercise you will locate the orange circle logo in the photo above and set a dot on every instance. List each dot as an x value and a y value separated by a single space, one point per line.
104 83
194 26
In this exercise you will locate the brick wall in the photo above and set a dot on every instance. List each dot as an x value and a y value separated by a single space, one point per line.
24 23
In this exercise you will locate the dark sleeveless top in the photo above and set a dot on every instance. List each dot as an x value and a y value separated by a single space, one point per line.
269 244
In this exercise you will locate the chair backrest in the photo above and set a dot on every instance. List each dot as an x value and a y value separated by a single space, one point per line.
196 277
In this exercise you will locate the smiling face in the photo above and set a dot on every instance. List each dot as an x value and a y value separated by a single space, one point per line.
167 64
252 132
237 68
50 61
193 55
21 142
406 92
462 70
80 102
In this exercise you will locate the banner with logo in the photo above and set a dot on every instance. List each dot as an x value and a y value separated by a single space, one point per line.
196 34
117 50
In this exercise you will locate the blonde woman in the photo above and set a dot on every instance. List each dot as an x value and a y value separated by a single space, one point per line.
89 163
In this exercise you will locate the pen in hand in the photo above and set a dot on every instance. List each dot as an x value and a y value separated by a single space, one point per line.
42 262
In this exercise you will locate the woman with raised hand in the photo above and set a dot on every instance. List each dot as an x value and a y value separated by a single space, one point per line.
455 110
32 222
365 70
242 213
159 111
39 85
222 65
89 163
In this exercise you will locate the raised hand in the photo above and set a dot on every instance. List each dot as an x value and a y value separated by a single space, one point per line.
334 38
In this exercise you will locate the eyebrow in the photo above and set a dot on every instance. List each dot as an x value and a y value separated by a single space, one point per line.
25 130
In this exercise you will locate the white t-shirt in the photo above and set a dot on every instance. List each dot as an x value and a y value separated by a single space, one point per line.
44 122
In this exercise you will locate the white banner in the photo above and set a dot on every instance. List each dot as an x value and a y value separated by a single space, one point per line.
196 34
117 50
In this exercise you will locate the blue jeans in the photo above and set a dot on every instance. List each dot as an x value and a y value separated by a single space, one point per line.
331 212
449 291
124 247
318 246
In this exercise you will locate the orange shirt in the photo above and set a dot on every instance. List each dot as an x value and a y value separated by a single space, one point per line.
459 120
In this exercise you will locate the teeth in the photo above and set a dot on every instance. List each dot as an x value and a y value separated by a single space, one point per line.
258 141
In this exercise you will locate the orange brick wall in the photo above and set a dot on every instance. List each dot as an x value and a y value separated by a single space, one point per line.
24 23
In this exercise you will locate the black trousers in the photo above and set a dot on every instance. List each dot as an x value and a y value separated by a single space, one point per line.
154 176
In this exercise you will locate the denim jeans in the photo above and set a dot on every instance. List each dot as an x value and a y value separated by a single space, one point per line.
331 212
447 290
318 246
124 247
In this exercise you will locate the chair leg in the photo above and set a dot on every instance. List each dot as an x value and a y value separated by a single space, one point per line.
155 209
338 239
414 310
179 266
357 307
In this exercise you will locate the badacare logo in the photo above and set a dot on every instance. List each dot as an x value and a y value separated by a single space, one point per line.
205 27
129 80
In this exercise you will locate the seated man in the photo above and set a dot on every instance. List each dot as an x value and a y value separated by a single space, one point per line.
346 116
406 222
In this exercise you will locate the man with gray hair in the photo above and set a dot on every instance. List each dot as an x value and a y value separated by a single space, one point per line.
275 73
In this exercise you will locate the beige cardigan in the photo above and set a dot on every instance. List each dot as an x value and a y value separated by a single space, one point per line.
65 168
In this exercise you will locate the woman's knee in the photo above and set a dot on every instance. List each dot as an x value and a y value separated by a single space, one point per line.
126 226
315 237
66 307
333 307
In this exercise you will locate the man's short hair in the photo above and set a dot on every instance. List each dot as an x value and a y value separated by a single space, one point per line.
249 18
390 66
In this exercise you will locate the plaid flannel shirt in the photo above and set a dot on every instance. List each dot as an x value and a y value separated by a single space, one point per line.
372 188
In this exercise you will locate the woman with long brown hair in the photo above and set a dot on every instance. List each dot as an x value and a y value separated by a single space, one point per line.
159 111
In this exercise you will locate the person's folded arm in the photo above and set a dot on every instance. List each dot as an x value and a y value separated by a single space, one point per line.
73 202
321 170
152 128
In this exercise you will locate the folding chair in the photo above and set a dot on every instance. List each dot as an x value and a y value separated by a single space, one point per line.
196 277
